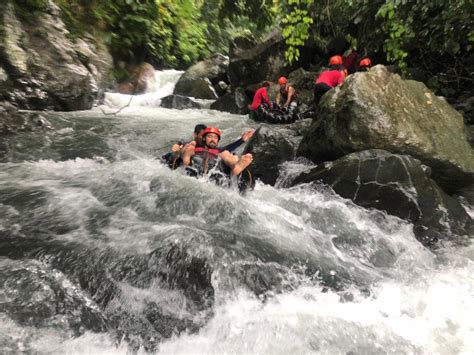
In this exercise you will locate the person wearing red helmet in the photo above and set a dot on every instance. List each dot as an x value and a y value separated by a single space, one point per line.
287 94
261 97
260 101
329 79
365 64
211 137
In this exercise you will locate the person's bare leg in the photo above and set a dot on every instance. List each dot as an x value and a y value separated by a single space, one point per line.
228 158
188 152
244 162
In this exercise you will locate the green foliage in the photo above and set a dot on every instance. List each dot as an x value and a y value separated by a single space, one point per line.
296 30
436 35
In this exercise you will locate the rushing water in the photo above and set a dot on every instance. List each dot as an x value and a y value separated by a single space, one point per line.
105 250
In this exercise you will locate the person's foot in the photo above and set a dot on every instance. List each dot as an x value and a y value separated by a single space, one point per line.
188 152
244 162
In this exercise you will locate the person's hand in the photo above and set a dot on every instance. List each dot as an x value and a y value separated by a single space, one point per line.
176 148
189 145
247 134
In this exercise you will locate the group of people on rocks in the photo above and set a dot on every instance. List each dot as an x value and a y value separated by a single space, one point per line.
204 150
327 80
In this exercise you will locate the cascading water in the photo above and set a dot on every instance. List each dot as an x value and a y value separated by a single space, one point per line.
104 249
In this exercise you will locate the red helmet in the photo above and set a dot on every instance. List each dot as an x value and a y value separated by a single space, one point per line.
365 62
214 130
335 60
282 80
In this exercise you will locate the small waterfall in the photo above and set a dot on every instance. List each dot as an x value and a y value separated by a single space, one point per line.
163 85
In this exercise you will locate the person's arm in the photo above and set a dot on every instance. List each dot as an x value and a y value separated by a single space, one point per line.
341 78
234 145
265 97
278 97
291 92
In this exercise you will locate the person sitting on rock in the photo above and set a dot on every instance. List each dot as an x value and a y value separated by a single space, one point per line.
286 94
329 79
211 138
365 64
259 99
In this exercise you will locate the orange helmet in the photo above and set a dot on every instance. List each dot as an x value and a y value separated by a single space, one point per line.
214 130
282 80
365 62
335 60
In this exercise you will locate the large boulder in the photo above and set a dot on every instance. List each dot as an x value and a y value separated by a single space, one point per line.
379 110
199 80
270 148
398 185
255 62
178 102
303 82
234 102
45 67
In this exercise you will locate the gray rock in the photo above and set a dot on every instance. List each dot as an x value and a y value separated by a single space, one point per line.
13 121
398 185
48 69
199 80
235 102
270 148
3 75
222 88
379 110
178 102
262 61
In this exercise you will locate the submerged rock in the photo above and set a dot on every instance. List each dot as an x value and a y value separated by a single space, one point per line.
234 102
178 102
399 185
379 110
13 121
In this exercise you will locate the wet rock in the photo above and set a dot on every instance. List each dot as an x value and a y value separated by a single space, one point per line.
254 63
222 88
13 121
199 80
467 194
234 102
39 297
379 110
303 81
398 185
47 69
178 102
140 78
270 148
128 288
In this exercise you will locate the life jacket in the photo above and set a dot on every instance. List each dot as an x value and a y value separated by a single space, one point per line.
206 151
204 159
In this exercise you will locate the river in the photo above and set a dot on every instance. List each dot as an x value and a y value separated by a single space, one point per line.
105 250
